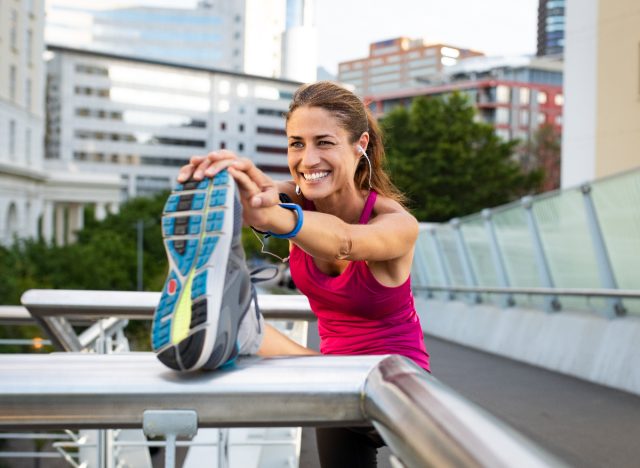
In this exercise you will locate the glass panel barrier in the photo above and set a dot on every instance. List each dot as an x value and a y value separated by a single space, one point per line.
452 259
430 262
617 200
512 231
477 241
565 236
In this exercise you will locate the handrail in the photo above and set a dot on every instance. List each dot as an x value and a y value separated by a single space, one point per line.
55 309
423 421
141 305
587 292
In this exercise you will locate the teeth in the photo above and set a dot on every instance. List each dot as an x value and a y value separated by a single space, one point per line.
315 175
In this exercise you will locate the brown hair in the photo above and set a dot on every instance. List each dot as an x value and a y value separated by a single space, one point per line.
354 117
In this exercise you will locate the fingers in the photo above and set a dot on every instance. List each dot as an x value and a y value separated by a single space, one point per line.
247 187
206 166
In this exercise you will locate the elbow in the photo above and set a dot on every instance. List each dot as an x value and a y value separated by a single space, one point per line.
345 246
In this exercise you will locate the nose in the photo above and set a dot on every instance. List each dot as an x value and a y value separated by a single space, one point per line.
310 157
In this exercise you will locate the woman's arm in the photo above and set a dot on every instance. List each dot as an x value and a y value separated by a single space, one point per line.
389 236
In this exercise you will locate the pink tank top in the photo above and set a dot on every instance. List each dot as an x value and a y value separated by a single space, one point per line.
356 314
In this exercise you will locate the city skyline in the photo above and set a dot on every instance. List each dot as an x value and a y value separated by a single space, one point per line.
495 27
345 29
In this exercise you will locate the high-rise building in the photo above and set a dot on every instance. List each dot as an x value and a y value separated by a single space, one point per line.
516 95
21 117
248 36
264 23
551 27
33 200
142 119
399 64
211 34
602 88
299 43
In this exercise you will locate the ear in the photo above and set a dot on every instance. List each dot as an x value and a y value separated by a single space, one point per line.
364 140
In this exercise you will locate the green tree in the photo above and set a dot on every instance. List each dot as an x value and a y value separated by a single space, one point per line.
447 163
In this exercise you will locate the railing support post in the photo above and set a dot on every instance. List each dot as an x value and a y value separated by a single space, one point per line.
170 424
496 255
551 303
441 261
465 259
605 270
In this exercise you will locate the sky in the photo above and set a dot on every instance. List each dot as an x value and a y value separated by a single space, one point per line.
495 27
347 27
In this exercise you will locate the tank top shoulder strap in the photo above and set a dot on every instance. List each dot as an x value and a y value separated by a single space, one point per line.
368 207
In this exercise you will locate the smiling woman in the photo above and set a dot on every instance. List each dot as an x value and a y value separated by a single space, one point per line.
351 239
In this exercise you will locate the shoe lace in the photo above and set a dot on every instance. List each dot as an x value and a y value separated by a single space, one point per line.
255 276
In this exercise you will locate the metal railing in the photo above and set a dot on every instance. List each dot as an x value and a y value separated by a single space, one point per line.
576 249
423 422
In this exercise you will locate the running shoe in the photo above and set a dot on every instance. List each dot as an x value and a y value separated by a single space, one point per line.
208 289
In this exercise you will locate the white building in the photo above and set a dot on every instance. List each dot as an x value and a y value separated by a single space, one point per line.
247 36
300 42
209 35
602 89
141 120
21 117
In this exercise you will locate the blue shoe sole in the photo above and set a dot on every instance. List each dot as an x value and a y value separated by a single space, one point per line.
197 224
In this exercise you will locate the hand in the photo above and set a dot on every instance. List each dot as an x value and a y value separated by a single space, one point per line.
200 167
257 191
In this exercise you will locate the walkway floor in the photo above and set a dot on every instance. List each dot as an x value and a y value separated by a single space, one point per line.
584 424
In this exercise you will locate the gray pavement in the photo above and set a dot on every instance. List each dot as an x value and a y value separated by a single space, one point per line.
584 424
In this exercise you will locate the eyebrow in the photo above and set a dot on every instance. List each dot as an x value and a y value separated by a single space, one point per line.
317 137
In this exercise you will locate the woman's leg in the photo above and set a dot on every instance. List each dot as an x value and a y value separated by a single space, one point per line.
342 447
257 337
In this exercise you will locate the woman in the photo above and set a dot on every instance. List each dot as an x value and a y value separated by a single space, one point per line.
351 248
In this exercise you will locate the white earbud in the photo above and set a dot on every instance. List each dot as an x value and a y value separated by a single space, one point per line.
366 156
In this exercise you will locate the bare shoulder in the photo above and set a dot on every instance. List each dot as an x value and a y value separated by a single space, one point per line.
386 205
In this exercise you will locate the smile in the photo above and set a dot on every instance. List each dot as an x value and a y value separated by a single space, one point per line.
314 176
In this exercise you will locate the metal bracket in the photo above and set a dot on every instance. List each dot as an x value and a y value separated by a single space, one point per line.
170 424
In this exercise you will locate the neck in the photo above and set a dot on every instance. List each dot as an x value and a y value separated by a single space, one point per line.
346 204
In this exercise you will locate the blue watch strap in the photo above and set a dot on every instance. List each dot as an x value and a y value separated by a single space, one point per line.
300 218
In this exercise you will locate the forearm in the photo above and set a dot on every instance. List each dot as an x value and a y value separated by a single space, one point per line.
322 235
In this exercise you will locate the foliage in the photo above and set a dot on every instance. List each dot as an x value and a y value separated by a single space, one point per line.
447 163
103 258
543 152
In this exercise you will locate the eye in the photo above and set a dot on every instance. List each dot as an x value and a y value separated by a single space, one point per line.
296 144
325 143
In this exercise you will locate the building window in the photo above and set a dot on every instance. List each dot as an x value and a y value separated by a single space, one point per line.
13 36
223 145
542 97
12 138
502 115
27 94
241 128
524 118
503 94
223 126
240 146
271 131
29 46
271 149
559 99
27 145
524 96
12 82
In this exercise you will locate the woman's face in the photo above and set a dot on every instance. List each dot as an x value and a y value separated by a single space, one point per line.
321 159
